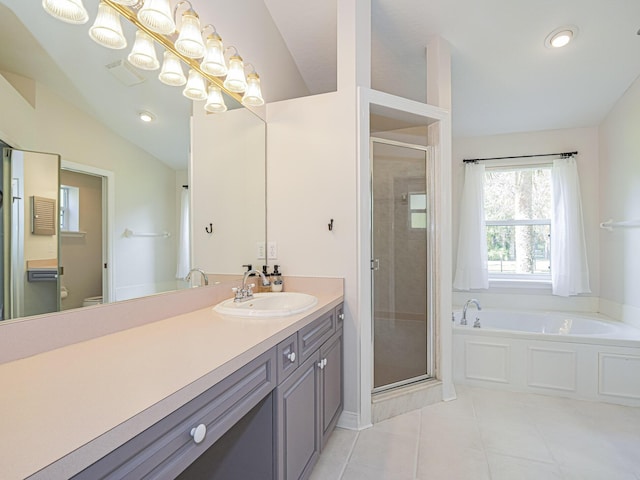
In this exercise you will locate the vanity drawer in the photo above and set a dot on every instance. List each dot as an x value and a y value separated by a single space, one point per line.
315 334
287 357
167 448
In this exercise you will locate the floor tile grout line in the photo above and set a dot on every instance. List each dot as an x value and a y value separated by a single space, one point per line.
351 449
476 420
417 454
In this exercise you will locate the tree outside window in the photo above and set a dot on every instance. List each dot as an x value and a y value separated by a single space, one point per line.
517 206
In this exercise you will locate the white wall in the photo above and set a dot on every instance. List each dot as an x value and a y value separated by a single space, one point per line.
311 175
228 190
583 140
620 200
144 186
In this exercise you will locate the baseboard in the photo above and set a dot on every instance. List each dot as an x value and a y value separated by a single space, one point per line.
351 421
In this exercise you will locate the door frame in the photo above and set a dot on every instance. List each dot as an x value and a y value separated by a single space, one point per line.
430 311
108 223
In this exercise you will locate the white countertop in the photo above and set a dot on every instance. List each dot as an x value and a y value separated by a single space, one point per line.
75 404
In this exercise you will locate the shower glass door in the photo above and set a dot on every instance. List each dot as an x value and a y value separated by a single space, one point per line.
401 263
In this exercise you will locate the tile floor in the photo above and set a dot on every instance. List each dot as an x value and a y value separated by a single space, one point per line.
491 435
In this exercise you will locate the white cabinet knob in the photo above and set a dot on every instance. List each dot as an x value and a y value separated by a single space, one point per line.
341 316
292 357
322 363
198 433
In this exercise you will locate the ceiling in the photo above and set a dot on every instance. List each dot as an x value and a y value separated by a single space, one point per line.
503 77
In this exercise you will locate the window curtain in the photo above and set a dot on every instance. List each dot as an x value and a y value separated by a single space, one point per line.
183 236
569 271
472 266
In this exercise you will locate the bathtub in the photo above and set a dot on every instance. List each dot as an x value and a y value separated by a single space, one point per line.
587 357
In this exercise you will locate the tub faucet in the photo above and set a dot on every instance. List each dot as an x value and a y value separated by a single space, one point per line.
204 275
463 321
245 292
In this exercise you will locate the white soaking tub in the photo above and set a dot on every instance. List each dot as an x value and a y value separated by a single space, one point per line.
574 355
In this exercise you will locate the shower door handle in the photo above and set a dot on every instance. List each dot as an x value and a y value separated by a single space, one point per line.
375 264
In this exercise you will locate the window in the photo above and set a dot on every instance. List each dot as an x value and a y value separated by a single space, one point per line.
517 208
69 208
418 210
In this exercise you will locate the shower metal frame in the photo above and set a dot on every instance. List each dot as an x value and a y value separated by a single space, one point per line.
430 239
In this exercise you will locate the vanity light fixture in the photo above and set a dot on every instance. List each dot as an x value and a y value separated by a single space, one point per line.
143 53
561 36
253 94
196 88
146 117
171 73
235 81
189 41
107 30
156 16
70 11
213 62
156 24
215 100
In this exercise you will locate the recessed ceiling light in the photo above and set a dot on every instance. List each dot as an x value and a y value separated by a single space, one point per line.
147 117
561 36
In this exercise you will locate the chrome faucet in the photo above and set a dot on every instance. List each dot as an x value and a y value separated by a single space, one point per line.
245 292
204 275
463 321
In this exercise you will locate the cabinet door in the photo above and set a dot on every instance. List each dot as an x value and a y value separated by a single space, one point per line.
298 421
331 384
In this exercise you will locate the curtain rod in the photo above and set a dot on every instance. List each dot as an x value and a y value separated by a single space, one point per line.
563 155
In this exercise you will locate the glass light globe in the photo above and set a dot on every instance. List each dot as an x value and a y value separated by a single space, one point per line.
235 81
156 16
70 11
171 73
213 62
107 30
143 53
196 88
253 95
189 41
215 101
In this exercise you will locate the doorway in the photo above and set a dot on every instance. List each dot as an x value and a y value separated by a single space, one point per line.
401 241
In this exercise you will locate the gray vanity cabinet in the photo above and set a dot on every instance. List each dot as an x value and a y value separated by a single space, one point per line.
165 449
309 402
331 386
298 421
269 419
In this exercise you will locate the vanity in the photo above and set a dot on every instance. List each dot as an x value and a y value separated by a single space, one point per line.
195 395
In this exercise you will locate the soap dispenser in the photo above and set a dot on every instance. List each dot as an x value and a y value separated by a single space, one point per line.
276 279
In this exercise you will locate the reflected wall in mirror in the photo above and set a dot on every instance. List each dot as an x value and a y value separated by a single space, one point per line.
30 237
60 97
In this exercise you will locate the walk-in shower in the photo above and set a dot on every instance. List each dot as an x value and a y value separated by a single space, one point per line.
402 245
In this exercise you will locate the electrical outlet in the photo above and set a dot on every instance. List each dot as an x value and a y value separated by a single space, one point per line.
261 253
272 250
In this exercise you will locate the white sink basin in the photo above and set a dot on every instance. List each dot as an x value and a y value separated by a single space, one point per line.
277 304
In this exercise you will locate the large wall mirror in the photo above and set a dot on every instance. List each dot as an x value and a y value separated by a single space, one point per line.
124 186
